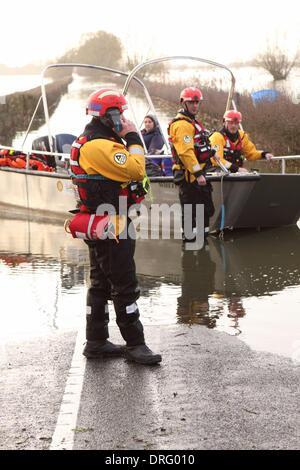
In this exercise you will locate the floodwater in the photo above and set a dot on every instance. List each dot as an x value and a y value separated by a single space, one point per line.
246 285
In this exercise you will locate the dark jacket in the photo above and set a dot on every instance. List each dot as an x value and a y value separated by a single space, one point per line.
153 139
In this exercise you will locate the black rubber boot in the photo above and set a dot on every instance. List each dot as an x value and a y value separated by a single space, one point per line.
102 349
142 354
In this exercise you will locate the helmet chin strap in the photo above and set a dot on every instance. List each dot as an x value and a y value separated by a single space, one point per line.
187 112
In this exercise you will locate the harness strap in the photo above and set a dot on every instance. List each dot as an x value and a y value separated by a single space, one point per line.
89 177
200 147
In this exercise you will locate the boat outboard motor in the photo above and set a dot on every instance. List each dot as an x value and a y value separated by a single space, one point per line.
42 144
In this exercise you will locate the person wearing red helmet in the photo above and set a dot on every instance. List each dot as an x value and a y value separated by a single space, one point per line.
233 145
108 153
192 154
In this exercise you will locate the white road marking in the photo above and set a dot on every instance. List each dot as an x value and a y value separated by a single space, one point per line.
63 437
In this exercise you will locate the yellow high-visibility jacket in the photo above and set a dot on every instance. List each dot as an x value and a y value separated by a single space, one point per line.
182 135
113 160
248 149
117 162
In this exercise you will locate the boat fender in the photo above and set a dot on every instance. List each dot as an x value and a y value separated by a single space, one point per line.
90 226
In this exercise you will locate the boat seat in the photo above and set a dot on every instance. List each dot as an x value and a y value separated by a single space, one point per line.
64 142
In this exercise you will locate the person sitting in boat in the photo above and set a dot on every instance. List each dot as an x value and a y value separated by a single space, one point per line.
154 144
232 145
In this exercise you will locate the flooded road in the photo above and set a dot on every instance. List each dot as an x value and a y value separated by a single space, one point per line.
247 284
212 391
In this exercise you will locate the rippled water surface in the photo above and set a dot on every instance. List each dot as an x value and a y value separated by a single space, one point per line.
246 285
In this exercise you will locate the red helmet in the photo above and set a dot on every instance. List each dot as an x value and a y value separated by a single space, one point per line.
100 101
232 116
190 94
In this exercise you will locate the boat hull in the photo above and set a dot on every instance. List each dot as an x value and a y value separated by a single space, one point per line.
41 195
253 200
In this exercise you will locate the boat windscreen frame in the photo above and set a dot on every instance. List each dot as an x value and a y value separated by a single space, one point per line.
138 67
69 65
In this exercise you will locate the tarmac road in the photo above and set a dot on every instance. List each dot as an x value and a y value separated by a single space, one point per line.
211 391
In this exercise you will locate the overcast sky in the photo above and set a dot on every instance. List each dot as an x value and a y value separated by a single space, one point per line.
220 30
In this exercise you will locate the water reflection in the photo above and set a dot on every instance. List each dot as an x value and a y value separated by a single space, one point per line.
39 268
247 284
218 279
198 274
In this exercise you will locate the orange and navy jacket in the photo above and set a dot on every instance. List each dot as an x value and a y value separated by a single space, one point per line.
232 153
184 134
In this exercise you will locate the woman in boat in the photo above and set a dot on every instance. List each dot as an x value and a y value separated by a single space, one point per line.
152 136
233 145
154 144
101 162
192 154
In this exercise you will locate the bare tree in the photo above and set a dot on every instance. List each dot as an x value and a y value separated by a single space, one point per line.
140 50
277 60
136 58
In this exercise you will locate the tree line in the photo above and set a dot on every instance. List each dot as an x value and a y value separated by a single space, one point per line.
106 49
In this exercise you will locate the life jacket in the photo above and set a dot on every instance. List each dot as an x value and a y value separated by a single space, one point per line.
93 190
232 152
15 159
77 174
3 161
202 146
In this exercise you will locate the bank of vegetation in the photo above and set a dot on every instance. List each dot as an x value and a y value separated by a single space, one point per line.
272 125
17 110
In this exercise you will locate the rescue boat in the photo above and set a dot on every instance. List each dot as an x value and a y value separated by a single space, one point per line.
38 180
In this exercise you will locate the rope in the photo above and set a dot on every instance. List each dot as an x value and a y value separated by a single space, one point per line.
146 179
221 235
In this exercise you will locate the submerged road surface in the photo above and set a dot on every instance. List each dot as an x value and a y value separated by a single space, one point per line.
211 391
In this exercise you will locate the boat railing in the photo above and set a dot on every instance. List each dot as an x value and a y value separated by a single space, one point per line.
283 160
59 157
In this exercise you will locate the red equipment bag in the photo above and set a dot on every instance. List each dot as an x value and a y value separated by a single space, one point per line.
89 226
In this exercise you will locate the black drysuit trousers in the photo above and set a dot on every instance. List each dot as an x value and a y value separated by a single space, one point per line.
113 277
192 193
